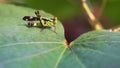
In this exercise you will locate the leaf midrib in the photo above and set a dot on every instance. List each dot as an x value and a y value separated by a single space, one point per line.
30 56
14 44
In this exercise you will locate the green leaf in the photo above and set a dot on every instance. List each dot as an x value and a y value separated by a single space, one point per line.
23 47
98 49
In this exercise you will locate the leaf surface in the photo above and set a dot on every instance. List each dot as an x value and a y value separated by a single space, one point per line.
98 49
24 47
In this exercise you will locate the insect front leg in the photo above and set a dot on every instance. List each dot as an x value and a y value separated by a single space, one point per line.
54 28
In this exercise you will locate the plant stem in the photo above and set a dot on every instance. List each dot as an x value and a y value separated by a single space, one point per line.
93 20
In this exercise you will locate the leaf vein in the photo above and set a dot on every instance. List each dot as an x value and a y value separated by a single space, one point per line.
59 58
19 43
100 52
78 59
29 56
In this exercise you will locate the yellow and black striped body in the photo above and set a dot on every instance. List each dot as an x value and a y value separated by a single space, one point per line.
47 22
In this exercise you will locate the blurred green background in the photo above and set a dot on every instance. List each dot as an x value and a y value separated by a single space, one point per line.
60 8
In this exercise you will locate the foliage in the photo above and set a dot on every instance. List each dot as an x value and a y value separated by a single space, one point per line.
23 47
